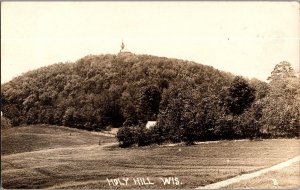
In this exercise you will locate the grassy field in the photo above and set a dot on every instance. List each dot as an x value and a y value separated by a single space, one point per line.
40 137
49 157
287 178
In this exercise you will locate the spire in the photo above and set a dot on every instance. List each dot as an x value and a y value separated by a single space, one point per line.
123 49
122 46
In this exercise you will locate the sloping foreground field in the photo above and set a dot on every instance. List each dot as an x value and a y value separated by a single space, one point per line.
58 157
286 178
39 137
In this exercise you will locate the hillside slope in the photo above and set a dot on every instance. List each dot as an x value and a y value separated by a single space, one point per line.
101 90
43 137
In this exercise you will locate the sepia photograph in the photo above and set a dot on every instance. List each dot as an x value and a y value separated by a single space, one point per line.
150 95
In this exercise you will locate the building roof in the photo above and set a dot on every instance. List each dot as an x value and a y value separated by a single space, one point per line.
150 124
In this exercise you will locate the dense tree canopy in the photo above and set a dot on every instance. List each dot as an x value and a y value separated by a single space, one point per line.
104 90
190 101
281 108
240 96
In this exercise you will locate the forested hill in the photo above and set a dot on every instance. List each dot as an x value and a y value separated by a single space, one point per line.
101 90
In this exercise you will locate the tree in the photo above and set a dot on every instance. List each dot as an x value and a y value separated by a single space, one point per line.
249 122
170 118
130 115
68 118
211 117
127 136
111 111
5 123
163 84
240 96
261 88
177 119
281 108
149 101
282 70
3 101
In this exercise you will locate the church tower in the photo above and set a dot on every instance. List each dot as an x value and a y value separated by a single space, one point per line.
123 48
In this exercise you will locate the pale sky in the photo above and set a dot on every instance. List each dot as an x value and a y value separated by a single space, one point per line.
244 38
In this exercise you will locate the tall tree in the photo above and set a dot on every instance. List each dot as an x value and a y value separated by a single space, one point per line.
149 101
281 108
282 70
240 96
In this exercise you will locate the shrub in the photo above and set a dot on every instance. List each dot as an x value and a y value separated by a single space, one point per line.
144 136
127 136
5 123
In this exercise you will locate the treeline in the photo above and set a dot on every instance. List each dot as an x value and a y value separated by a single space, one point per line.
243 109
190 101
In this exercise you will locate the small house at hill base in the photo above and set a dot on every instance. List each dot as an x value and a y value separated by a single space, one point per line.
150 124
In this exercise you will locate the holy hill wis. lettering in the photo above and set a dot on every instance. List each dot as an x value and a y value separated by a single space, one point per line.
125 181
140 181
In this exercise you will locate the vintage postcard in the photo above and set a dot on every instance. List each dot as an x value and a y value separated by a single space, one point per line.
150 95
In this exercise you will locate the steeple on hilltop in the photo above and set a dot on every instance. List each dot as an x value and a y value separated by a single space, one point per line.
123 49
122 46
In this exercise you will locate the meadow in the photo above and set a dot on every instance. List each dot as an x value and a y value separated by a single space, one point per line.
287 178
45 156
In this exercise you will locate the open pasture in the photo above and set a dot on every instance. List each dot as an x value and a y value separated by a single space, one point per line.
49 157
286 178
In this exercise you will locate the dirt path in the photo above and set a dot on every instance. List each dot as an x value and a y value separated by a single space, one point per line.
201 142
239 178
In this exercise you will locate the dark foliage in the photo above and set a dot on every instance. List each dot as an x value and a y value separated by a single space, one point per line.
149 101
240 96
5 123
100 91
190 102
127 136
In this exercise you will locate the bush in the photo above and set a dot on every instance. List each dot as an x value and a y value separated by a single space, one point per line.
127 136
5 123
144 136
159 133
